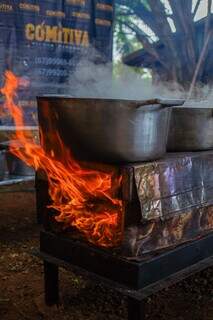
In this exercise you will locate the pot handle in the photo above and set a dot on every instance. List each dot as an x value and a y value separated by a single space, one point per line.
171 102
147 103
163 102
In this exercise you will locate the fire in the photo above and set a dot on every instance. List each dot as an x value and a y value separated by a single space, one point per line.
83 198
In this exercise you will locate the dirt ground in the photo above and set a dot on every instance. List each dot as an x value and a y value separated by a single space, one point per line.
21 280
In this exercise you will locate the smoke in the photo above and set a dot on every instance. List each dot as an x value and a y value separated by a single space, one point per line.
94 80
99 80
203 97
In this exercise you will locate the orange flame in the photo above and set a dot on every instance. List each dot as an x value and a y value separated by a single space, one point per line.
84 198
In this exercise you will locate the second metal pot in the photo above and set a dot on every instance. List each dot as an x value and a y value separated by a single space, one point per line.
191 129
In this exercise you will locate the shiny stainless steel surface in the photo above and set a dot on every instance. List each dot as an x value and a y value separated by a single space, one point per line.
191 129
107 130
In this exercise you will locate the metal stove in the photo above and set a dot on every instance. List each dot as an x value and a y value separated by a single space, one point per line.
167 230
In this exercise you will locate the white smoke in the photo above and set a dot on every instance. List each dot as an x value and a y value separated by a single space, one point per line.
93 80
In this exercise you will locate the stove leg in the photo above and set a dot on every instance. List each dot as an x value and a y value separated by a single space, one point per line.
135 309
51 285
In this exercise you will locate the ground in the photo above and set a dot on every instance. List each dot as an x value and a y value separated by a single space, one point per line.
21 280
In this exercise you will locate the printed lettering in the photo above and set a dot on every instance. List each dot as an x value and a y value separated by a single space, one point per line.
29 32
56 34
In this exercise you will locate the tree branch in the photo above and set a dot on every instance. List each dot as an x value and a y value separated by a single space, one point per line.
171 53
143 13
196 8
185 28
200 63
208 20
149 47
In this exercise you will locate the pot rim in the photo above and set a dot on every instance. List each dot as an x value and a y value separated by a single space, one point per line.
150 101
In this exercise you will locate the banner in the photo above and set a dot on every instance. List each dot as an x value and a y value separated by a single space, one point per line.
44 41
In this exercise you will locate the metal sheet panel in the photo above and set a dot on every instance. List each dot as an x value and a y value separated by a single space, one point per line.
173 185
160 235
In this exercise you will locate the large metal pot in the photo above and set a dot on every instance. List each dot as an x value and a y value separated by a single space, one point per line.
107 130
191 129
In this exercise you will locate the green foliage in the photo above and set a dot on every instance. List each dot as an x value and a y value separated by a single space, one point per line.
125 39
120 70
173 57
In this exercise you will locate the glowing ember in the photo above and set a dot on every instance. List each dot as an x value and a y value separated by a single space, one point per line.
84 198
